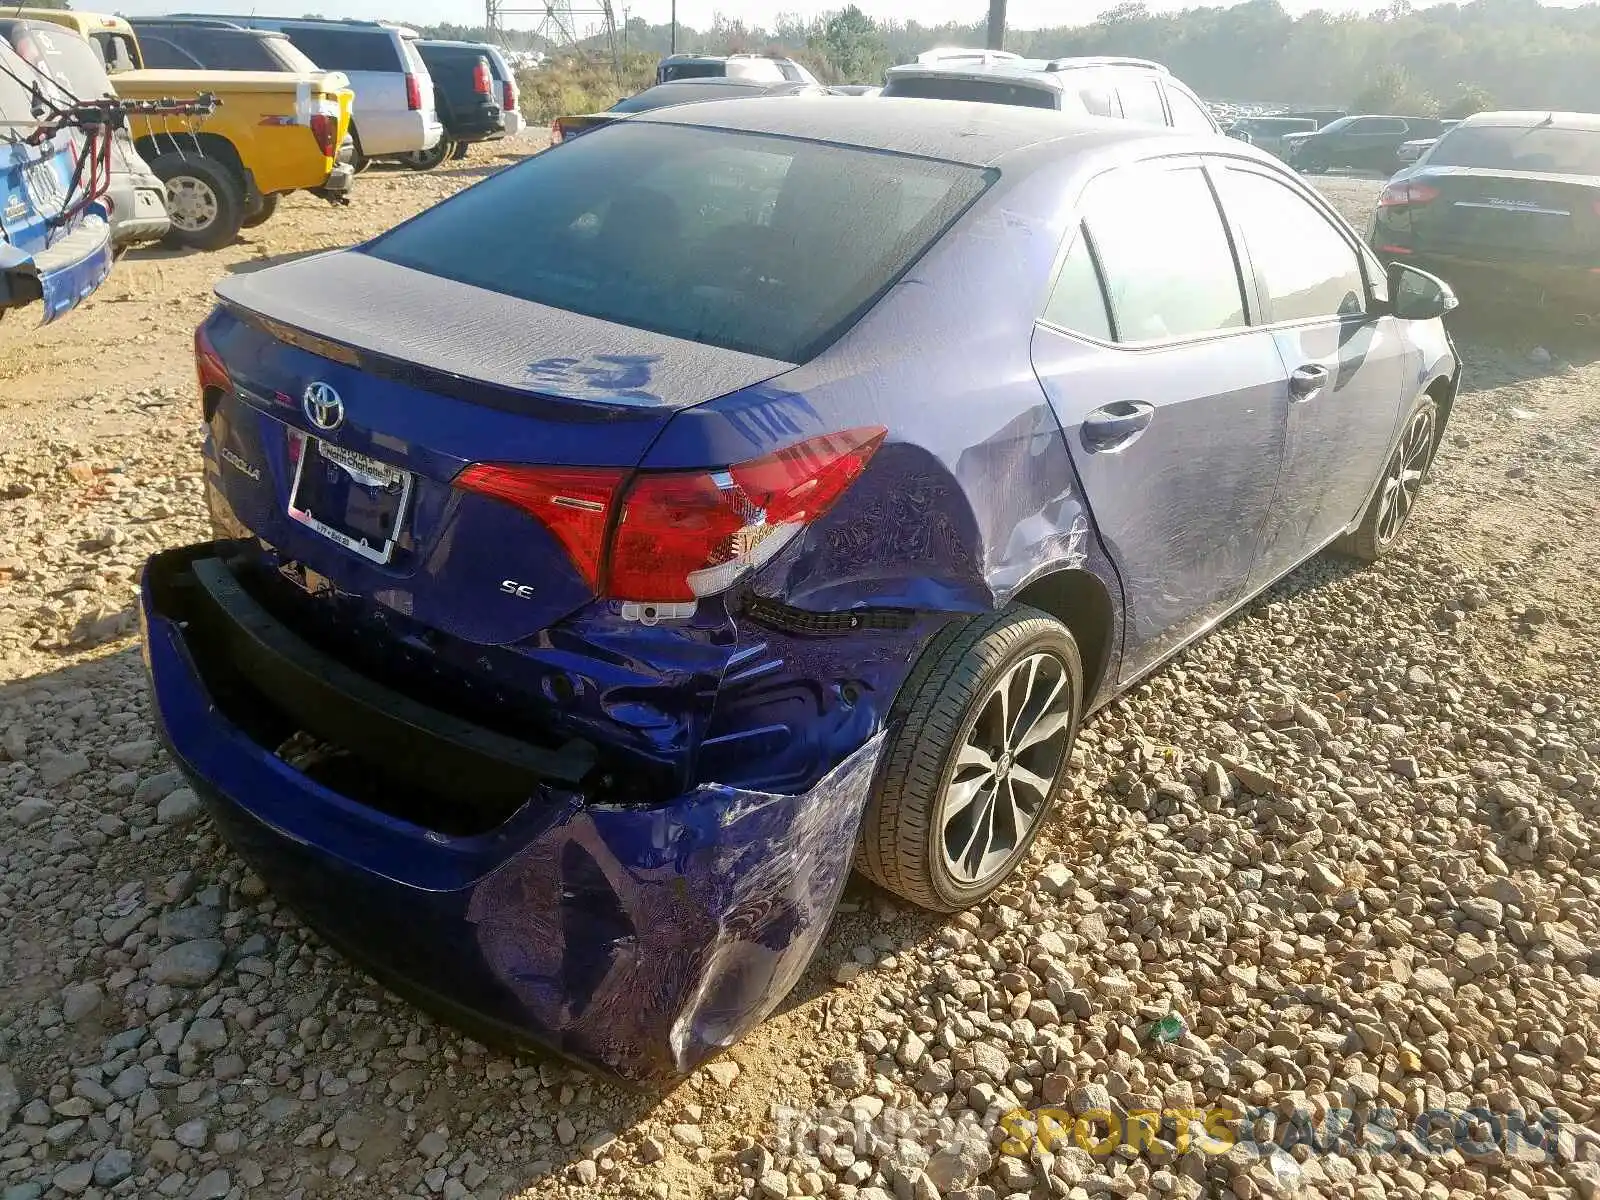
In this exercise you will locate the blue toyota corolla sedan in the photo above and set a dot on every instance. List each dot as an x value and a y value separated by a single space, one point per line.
610 556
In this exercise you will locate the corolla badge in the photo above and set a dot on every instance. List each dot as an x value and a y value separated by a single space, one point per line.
323 406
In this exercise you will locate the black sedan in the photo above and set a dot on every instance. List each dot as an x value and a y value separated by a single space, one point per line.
1505 206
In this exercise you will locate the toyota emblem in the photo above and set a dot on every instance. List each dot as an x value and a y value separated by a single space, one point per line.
323 407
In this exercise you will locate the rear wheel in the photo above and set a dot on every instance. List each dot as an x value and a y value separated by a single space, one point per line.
359 162
427 160
1397 494
205 200
982 740
262 212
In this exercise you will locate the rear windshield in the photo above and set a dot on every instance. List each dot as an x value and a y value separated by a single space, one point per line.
700 70
986 91
772 246
667 94
65 57
1519 148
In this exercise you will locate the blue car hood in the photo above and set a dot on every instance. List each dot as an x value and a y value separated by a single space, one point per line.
475 334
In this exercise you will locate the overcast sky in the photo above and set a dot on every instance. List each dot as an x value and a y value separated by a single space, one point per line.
1031 14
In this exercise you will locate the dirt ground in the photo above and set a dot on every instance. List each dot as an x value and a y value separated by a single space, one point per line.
1428 728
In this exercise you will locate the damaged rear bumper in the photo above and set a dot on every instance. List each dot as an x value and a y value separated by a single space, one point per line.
640 940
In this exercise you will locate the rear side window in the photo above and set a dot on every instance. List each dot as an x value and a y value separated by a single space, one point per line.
1141 100
1188 114
1376 125
287 55
1078 302
1168 266
345 49
166 55
985 91
1100 98
223 51
773 246
701 70
1302 263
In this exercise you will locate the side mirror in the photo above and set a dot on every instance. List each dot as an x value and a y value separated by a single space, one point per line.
1239 135
1415 295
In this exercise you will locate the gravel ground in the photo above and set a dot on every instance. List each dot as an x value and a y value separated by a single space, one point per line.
1348 840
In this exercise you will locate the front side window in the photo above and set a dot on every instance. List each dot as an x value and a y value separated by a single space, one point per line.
165 55
1304 266
769 245
1168 266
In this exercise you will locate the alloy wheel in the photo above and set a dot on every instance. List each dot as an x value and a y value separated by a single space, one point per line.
1006 769
191 203
1404 479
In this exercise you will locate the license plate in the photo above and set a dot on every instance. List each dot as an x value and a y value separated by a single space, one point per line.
349 498
44 186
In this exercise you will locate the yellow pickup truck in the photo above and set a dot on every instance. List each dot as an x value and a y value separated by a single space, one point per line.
273 132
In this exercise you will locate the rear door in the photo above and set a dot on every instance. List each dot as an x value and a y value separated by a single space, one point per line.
1369 143
1174 408
1346 368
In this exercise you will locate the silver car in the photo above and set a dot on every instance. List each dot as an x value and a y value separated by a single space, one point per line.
135 200
394 111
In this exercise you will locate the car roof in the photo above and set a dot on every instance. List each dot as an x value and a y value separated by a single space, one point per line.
350 23
480 47
1043 73
975 134
213 26
1528 119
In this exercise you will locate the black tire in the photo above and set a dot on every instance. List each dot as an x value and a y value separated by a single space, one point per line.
1379 530
461 151
359 162
208 195
427 160
262 213
903 847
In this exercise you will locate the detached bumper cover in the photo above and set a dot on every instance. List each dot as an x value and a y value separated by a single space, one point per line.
63 274
639 941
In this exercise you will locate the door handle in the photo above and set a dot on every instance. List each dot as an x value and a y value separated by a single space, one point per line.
1305 382
1113 426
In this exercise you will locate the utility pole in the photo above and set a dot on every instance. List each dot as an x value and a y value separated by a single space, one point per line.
997 24
674 49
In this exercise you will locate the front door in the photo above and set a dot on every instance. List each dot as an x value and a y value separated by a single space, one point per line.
1346 368
1173 407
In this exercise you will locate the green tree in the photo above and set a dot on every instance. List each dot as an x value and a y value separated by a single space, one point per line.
1392 91
851 42
1469 98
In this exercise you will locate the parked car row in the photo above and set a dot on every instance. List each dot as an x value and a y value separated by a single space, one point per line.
302 105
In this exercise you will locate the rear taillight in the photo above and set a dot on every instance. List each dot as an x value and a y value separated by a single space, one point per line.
678 535
480 77
323 127
1397 195
508 95
208 367
573 503
1596 206
413 93
556 132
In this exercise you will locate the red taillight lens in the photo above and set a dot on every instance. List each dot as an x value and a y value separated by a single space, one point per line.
686 535
208 365
413 93
556 132
508 96
480 78
1397 195
323 127
681 534
1596 206
573 503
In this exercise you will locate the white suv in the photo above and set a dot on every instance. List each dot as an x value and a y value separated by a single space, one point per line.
394 110
1132 89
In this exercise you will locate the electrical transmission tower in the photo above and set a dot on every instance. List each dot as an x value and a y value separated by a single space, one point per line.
562 23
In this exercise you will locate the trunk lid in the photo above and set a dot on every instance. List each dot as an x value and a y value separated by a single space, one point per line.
1509 212
357 392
